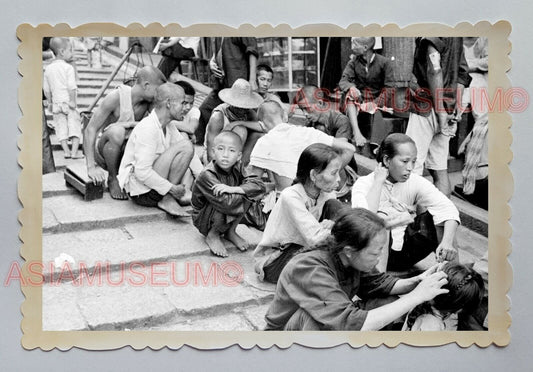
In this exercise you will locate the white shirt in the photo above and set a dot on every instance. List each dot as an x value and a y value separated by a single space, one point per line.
416 191
189 42
147 141
294 219
280 149
59 77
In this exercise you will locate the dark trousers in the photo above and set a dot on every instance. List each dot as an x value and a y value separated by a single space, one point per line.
48 158
273 270
419 241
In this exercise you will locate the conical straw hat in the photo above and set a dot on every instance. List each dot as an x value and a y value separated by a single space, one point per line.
241 95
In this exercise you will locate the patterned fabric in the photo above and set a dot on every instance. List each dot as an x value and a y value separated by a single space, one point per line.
474 143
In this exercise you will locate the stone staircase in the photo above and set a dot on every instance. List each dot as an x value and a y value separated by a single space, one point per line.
113 265
114 248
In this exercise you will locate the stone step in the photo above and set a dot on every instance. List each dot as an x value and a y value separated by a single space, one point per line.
59 158
472 217
70 212
187 294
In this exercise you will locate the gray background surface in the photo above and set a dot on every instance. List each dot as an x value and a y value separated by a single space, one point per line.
516 357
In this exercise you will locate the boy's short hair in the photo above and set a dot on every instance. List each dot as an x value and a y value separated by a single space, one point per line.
57 44
263 67
230 134
188 88
269 107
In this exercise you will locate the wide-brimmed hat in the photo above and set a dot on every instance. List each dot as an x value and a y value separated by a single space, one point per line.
241 95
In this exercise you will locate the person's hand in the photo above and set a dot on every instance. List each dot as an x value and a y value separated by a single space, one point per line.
353 93
430 287
359 140
215 69
72 105
96 174
327 224
177 191
447 124
163 46
446 252
432 270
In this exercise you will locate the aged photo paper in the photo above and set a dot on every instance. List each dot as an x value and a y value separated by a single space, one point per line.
102 273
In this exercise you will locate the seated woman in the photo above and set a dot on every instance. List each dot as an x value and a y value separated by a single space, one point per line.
316 289
442 313
422 219
303 213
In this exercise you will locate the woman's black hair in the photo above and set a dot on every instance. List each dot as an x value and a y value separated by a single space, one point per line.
389 146
466 289
316 156
354 227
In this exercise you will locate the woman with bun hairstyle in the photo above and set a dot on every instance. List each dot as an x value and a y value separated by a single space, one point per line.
422 219
303 214
336 286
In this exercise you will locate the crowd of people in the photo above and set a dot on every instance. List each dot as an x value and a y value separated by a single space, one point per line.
341 248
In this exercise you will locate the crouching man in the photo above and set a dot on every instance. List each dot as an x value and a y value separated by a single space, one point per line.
157 156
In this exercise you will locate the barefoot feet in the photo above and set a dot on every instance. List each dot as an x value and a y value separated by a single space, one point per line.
171 206
241 244
115 190
215 244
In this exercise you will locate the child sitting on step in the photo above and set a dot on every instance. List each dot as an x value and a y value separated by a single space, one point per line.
466 290
222 196
59 86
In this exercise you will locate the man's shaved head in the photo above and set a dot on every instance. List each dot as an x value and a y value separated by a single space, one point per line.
152 75
58 43
310 94
269 109
168 91
368 41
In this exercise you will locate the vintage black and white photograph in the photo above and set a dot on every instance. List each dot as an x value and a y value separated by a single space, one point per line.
267 183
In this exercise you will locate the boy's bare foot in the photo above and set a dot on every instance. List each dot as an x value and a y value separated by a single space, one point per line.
115 190
171 206
215 244
241 244
66 155
77 156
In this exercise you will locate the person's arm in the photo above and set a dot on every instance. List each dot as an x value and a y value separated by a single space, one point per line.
443 211
345 148
445 250
214 127
97 121
426 290
226 203
408 284
72 87
191 124
250 46
252 125
252 61
436 85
